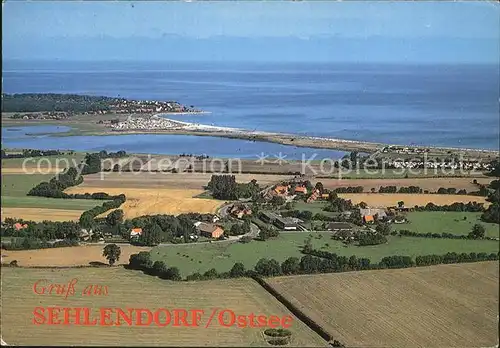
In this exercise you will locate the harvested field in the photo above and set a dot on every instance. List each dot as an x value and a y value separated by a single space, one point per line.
132 289
70 256
437 306
155 201
160 193
40 214
167 180
410 200
431 184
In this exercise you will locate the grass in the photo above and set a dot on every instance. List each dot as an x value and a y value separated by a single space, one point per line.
18 185
50 203
222 256
314 207
447 222
437 306
132 289
44 161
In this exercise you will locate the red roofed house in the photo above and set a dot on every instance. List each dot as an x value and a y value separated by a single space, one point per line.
281 190
18 226
301 189
210 230
136 232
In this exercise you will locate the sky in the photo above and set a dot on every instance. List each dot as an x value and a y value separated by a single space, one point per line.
265 30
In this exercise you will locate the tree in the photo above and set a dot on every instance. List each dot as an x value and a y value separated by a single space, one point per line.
142 260
112 253
401 204
152 235
160 269
236 230
291 266
238 270
363 205
246 227
319 187
384 229
477 232
115 217
277 201
173 274
268 268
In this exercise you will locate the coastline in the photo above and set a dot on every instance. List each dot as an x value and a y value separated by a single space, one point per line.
83 128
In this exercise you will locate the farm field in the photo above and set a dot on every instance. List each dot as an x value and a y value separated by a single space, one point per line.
40 214
447 222
70 256
168 180
222 256
410 200
437 306
431 184
126 289
47 164
159 193
50 203
401 174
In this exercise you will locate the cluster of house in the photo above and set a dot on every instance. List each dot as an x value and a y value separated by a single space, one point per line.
240 210
370 215
404 149
148 106
153 122
49 115
289 191
467 165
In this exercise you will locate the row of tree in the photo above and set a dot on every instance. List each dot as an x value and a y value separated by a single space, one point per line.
33 243
87 218
457 206
26 153
477 232
225 187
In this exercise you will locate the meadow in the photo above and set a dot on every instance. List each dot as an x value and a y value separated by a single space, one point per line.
458 223
69 256
132 289
437 306
222 256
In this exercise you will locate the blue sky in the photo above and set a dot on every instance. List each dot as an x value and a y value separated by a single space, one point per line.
413 31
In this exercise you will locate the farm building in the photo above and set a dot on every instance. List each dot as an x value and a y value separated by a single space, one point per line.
368 218
268 216
285 223
301 189
210 230
135 232
339 226
281 190
379 212
239 211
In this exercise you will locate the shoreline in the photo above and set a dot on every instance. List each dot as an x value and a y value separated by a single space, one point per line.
297 140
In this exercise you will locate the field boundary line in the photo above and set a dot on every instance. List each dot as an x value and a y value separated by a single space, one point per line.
318 329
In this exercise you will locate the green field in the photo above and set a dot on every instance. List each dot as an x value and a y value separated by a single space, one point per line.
50 203
18 185
446 222
313 207
32 162
222 256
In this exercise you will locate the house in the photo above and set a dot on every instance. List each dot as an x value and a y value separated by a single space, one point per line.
313 197
135 232
301 189
18 226
286 224
239 211
268 216
325 196
373 211
368 219
281 190
339 227
84 234
210 230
